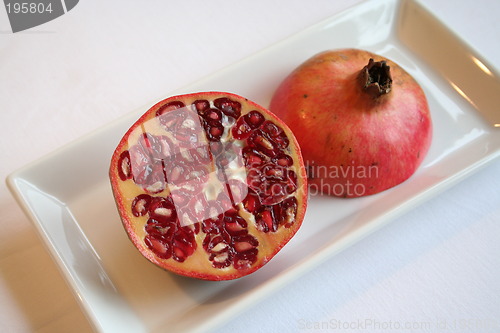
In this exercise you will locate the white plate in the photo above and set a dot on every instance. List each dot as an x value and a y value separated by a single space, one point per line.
122 292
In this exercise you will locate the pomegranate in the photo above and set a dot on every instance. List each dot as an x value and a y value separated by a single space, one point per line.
362 121
209 185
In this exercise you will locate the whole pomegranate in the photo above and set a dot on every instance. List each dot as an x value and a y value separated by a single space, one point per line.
209 185
362 121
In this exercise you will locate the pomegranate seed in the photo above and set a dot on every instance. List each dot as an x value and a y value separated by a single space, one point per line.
181 196
159 230
229 107
289 211
164 148
210 225
213 115
281 141
234 228
169 107
213 239
262 142
179 255
186 137
197 173
214 131
242 246
291 182
252 157
219 247
162 209
245 259
201 106
224 201
271 128
201 154
283 160
124 168
183 244
221 260
245 243
140 165
229 154
155 182
161 249
237 190
150 177
265 220
221 257
232 216
176 173
254 119
254 178
272 171
251 202
273 192
242 129
138 158
140 205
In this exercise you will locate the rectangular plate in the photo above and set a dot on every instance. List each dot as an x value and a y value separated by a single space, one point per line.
77 218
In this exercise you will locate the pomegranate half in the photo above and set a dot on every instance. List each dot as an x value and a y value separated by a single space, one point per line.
362 121
209 185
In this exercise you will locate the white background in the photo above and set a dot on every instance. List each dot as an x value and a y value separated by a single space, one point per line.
437 265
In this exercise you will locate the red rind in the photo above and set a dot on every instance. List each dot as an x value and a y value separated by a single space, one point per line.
388 136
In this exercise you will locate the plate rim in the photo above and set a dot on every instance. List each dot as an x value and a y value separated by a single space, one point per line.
294 272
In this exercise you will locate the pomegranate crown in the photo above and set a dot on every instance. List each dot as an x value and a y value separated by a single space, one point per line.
375 78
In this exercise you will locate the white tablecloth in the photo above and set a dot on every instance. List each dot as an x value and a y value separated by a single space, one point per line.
437 268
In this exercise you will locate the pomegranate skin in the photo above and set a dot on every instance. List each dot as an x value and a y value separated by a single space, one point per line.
354 144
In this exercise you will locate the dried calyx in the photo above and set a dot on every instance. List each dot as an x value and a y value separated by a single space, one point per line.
375 78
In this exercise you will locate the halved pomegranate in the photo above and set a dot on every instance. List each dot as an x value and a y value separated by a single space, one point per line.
209 185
